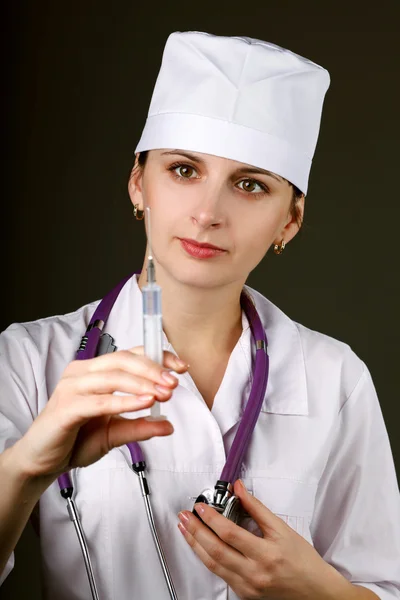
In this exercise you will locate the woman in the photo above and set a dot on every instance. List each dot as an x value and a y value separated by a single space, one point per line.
223 161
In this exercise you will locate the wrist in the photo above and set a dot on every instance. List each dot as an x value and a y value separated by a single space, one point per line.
20 475
334 585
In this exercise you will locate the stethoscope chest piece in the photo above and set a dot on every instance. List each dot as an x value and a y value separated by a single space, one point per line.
223 501
233 510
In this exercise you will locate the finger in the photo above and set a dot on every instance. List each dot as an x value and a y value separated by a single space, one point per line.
239 539
99 405
132 361
170 360
215 547
214 561
108 433
118 381
271 525
122 431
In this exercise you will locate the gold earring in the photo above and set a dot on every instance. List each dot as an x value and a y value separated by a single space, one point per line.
279 248
139 214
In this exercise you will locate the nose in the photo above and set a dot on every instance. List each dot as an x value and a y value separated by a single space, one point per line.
209 211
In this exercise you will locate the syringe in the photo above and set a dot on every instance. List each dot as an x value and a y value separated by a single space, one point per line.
152 318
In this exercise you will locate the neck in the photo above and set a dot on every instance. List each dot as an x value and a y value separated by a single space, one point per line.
199 320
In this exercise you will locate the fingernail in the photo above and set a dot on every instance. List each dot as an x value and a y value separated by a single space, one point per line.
182 529
199 508
168 377
145 398
183 518
242 485
180 363
163 390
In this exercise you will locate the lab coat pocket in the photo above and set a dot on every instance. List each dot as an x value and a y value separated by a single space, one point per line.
291 500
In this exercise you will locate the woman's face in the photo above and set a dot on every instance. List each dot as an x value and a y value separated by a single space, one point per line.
212 200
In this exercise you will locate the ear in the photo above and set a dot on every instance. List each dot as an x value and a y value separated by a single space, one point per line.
135 184
292 227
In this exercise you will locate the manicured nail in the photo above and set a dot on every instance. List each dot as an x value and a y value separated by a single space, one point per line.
199 508
163 390
183 518
180 363
182 529
145 398
169 378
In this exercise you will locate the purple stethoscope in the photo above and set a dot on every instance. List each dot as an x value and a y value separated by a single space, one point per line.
221 498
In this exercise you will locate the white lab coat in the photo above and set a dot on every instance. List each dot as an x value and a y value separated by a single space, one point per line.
319 458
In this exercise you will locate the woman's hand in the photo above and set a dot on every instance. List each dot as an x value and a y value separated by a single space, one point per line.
281 565
81 421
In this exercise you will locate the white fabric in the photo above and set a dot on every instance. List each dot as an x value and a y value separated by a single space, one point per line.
320 458
240 98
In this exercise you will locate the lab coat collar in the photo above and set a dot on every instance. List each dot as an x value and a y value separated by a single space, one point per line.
286 392
287 385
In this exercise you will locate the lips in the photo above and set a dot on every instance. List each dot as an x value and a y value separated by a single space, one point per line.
200 245
200 251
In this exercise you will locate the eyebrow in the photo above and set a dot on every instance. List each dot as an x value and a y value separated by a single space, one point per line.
253 170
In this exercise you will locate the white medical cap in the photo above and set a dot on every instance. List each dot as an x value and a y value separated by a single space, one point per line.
239 98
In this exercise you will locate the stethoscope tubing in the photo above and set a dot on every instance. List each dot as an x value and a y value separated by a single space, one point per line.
230 472
156 539
74 516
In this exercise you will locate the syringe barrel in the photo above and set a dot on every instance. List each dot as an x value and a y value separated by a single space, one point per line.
151 299
153 331
152 336
152 322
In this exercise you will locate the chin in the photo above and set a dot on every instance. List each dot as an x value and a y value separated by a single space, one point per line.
197 275
200 280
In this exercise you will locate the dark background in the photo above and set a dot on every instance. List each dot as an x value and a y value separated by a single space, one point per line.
78 81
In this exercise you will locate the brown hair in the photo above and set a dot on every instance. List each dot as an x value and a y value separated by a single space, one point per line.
296 195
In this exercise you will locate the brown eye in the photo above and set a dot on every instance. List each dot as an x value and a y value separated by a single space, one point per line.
185 171
250 185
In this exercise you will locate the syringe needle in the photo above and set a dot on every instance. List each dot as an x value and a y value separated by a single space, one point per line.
149 230
151 272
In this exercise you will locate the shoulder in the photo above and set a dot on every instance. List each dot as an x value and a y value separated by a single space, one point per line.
45 339
33 356
325 359
333 358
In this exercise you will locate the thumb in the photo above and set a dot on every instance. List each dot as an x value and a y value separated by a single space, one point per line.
263 516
